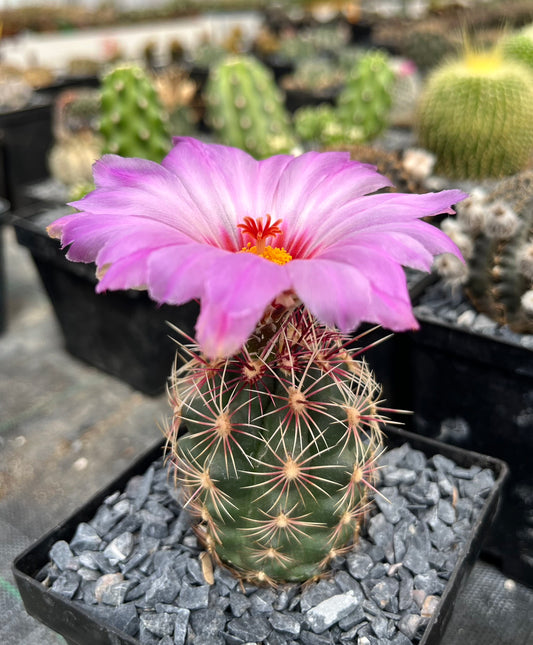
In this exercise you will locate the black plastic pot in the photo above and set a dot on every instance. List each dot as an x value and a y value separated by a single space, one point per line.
123 333
80 628
27 139
4 208
476 391
297 98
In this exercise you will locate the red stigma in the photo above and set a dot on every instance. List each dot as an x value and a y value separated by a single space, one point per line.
259 231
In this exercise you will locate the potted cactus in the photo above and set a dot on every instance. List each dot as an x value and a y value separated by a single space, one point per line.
476 338
283 420
476 332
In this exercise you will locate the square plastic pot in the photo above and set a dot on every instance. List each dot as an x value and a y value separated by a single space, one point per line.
123 333
476 391
27 139
81 628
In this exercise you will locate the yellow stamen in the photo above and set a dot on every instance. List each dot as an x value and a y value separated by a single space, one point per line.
278 256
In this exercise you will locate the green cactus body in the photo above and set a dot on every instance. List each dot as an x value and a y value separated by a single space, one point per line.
495 232
519 46
476 116
280 452
133 122
246 109
365 101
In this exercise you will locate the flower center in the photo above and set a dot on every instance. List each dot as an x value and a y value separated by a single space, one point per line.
260 233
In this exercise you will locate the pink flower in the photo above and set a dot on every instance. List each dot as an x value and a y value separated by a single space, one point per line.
210 222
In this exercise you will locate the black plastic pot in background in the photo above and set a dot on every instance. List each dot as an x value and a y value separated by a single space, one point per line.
81 628
123 333
27 139
476 392
4 208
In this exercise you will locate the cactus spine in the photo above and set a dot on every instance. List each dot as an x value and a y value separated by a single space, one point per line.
476 115
245 107
495 233
280 450
133 122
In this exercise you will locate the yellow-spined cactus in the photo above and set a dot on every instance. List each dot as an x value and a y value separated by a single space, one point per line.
476 115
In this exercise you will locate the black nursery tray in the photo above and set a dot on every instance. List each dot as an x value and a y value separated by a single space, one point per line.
79 627
123 333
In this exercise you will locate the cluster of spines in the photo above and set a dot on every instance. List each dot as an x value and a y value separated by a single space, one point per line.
280 451
495 234
246 108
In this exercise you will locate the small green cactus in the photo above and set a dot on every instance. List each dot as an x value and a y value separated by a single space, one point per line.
495 234
320 125
246 109
133 122
365 101
519 45
280 452
476 115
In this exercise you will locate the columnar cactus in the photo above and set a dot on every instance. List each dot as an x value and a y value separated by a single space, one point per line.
495 234
365 101
476 115
281 448
133 121
246 109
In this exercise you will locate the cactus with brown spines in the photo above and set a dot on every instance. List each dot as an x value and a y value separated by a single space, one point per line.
280 450
476 115
495 233
77 145
177 92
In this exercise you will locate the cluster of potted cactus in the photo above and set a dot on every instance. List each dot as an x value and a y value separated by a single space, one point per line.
278 225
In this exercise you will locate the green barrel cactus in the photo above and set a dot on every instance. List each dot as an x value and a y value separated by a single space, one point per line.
476 115
281 449
495 233
133 122
245 107
519 45
365 101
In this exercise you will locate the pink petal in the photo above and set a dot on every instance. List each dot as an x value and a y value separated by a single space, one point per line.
237 292
337 293
178 274
136 188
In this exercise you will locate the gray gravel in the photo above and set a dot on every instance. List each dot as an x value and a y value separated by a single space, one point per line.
441 302
136 566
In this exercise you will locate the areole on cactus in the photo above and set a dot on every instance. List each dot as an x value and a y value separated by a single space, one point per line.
282 415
